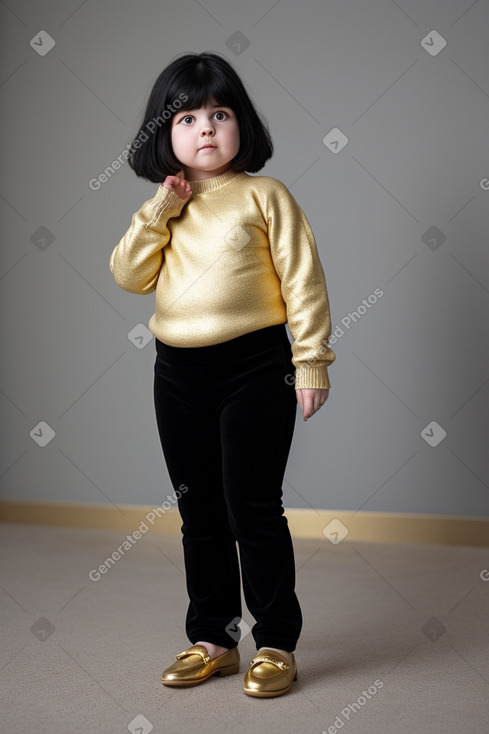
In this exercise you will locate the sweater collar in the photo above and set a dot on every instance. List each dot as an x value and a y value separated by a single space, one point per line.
211 184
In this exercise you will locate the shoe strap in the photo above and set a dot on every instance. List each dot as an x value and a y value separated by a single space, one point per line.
195 650
262 658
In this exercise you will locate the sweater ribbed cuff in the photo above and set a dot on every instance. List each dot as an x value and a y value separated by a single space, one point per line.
167 201
312 376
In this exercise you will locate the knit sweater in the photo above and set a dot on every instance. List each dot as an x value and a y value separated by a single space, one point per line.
236 256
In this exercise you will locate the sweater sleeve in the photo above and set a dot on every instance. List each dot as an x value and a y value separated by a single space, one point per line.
303 285
136 261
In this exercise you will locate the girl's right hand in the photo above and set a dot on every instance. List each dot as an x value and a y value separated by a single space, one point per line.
179 185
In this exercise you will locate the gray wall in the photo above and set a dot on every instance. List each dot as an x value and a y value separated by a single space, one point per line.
403 207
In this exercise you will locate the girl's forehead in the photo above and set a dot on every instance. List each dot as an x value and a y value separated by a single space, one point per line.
206 106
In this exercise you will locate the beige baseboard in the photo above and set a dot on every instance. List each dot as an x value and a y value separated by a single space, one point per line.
376 527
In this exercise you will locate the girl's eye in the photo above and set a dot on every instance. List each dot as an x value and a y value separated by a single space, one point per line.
188 118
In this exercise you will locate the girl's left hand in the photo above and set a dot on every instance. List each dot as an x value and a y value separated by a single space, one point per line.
311 399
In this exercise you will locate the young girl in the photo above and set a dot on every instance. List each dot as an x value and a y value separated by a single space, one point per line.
232 259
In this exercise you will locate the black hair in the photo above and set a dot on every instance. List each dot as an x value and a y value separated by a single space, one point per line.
189 82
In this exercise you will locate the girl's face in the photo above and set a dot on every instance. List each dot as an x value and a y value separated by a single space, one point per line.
205 140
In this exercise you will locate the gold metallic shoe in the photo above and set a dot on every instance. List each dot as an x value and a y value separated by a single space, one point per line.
194 666
269 675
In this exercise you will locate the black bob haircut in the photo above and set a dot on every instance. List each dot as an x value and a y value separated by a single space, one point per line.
189 82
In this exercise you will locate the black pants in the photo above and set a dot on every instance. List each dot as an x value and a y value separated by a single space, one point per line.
226 415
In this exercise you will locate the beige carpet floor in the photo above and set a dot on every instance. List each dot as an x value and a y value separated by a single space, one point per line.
395 640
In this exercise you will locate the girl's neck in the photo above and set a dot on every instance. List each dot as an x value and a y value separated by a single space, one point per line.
194 174
212 183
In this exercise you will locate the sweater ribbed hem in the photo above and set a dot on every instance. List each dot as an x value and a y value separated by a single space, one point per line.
211 184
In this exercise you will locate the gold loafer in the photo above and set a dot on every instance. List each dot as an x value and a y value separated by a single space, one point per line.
269 675
194 666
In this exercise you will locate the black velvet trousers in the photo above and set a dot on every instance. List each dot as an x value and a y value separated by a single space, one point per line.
226 416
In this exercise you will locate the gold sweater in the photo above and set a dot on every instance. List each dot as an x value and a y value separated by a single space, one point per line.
237 256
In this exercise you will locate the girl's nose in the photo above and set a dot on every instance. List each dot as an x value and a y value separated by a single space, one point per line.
207 129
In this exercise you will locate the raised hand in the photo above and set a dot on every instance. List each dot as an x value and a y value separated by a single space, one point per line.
179 185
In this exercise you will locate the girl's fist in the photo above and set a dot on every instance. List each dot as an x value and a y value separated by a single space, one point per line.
179 185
